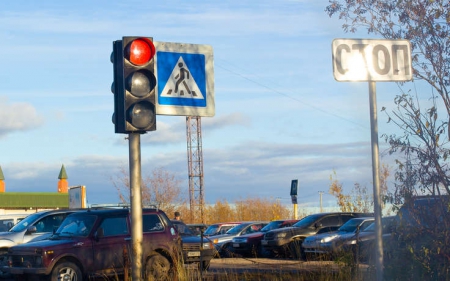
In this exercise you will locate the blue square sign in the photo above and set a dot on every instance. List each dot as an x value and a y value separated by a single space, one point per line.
185 79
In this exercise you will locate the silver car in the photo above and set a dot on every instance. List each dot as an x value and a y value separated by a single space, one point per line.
223 242
324 243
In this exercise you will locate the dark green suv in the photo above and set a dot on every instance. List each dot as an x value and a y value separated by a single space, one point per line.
97 243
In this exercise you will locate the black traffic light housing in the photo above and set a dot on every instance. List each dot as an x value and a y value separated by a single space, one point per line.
134 85
294 187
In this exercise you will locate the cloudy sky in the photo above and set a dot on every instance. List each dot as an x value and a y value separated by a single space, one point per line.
279 113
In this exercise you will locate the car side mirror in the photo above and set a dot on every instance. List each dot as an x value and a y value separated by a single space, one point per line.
317 225
31 229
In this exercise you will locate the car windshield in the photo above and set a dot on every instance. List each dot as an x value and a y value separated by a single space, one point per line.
76 225
238 228
351 225
385 222
271 225
183 229
25 223
307 221
211 230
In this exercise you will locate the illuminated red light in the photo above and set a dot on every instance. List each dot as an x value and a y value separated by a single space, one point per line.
141 51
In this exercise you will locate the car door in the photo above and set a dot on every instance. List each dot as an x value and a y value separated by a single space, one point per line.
111 245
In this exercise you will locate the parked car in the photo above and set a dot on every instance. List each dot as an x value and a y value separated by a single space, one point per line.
197 228
223 242
219 228
196 249
287 241
34 227
97 243
421 234
362 245
9 220
250 244
326 243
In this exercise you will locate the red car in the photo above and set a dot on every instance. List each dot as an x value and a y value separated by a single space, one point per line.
250 244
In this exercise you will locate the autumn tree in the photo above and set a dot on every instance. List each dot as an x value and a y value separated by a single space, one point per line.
160 188
422 117
360 198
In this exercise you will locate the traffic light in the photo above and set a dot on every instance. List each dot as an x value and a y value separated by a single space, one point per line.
134 85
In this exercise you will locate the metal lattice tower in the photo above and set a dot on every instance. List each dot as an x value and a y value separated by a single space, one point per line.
195 167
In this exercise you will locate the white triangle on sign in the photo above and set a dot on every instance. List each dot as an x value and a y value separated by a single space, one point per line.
181 84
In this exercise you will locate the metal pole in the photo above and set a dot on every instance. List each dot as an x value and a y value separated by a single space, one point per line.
321 209
376 182
295 212
134 141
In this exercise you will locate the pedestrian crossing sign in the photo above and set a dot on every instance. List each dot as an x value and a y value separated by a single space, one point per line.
185 79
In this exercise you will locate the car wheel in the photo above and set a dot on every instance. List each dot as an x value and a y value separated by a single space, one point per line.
295 250
227 251
158 268
66 271
263 252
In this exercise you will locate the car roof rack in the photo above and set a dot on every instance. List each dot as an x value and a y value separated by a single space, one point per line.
120 206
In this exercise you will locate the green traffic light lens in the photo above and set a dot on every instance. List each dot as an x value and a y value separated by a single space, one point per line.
141 115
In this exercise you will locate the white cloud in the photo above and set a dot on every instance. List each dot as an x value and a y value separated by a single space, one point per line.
19 116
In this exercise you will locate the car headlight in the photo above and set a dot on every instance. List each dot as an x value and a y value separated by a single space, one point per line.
327 239
281 235
207 246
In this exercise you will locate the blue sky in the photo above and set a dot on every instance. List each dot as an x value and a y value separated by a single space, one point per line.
280 115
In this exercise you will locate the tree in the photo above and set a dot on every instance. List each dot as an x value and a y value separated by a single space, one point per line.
360 198
424 138
424 125
161 188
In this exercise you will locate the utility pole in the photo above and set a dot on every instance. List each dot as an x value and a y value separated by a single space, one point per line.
320 193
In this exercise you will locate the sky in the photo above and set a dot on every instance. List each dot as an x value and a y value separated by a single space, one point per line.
279 113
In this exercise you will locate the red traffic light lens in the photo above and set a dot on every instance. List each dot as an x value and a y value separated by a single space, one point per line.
141 51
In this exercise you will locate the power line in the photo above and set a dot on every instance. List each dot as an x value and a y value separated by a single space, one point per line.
288 96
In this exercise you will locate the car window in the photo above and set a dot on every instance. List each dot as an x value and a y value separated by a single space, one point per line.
272 225
307 221
151 223
76 225
346 218
237 229
211 230
25 223
329 221
114 226
49 223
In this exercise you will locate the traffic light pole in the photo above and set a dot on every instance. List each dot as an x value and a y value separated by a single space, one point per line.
134 140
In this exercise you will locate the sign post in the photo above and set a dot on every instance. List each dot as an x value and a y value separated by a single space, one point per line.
373 60
294 191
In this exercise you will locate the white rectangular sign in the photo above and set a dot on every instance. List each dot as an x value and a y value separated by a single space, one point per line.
371 60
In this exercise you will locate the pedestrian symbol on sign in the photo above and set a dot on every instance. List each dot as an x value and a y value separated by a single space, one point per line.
181 84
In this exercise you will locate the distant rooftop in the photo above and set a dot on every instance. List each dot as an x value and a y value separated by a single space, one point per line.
33 200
